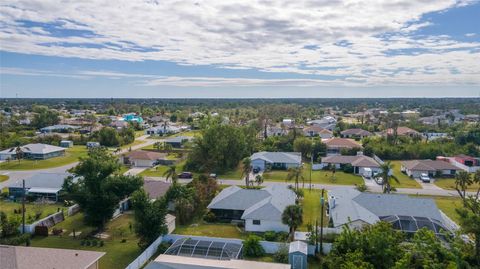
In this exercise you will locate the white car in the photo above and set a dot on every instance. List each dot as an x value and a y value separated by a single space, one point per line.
424 178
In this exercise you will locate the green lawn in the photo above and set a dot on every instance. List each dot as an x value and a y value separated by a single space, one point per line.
404 180
134 143
3 178
30 209
159 170
448 205
311 208
123 169
71 155
118 254
139 133
449 184
318 177
213 230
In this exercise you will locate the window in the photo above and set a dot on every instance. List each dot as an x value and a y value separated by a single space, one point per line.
256 222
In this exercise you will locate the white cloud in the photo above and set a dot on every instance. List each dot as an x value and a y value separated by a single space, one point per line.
265 35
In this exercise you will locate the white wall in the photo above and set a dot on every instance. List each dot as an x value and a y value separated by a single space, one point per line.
142 163
265 225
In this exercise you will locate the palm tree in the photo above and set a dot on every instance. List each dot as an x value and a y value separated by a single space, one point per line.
18 152
462 180
246 169
171 173
385 174
293 217
259 180
295 173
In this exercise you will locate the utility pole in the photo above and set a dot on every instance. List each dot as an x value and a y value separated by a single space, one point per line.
311 165
23 206
322 202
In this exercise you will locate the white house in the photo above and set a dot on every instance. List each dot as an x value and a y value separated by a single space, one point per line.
260 209
359 163
142 158
275 160
33 151
315 130
415 168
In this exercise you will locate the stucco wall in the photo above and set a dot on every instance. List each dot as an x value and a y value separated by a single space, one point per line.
265 225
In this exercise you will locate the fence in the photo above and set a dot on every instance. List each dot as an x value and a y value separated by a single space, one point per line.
48 221
146 255
73 210
376 158
451 225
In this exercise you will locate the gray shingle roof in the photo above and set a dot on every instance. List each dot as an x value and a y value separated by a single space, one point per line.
359 160
278 157
42 180
267 203
352 205
428 165
35 149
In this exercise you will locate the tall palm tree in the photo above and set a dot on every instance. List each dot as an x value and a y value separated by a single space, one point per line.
18 152
462 180
171 173
293 217
386 167
246 169
295 173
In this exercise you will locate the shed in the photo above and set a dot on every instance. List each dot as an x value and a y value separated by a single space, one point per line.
66 143
297 255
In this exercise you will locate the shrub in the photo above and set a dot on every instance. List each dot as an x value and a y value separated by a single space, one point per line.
252 247
282 236
82 243
101 243
362 187
270 235
281 255
210 217
163 247
16 240
347 168
123 240
56 231
87 243
94 243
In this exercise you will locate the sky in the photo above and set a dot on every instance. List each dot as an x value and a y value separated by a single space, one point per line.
235 49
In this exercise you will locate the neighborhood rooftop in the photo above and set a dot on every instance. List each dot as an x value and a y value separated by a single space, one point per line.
278 157
429 165
358 160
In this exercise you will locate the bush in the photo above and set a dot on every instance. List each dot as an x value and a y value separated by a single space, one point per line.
252 247
124 241
270 235
101 243
210 217
281 255
362 187
347 168
163 247
94 243
282 236
16 240
56 231
82 243
87 243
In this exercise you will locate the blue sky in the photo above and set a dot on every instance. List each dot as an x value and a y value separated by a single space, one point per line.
235 49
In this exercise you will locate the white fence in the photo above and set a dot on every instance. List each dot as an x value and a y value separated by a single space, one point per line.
146 255
73 210
451 225
48 221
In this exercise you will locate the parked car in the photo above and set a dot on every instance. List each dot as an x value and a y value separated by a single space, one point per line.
424 178
213 175
185 175
256 170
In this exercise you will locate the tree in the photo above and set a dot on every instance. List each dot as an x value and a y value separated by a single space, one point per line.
44 117
295 173
149 217
470 213
386 175
303 145
252 247
171 173
293 217
462 181
108 137
259 179
98 188
246 170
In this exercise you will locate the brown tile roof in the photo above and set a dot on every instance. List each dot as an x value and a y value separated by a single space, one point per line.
428 165
342 143
356 131
16 257
359 160
155 188
146 155
402 131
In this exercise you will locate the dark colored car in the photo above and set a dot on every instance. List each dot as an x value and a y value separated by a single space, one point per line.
185 175
256 170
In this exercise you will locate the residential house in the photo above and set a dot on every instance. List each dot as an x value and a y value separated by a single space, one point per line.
142 158
402 131
177 141
276 131
18 257
360 163
39 185
260 209
429 136
408 214
315 130
33 152
66 143
327 122
163 130
415 168
60 128
275 160
93 144
409 114
335 145
464 162
355 133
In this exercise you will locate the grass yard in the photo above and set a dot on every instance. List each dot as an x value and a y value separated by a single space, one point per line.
448 205
193 133
139 133
134 143
318 177
118 254
3 178
30 209
449 184
405 181
213 230
311 208
71 155
159 170
123 169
